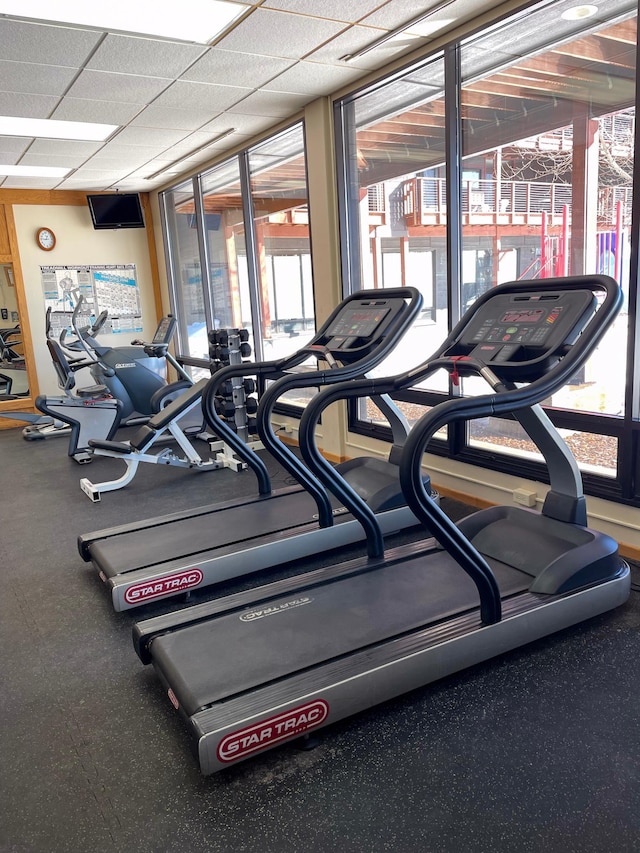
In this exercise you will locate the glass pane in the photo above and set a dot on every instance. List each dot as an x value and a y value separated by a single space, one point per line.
596 454
548 137
182 242
281 222
226 248
398 133
411 411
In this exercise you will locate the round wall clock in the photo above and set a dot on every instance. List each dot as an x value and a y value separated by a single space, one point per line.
46 239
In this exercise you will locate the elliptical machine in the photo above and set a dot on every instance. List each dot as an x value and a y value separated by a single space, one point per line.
130 385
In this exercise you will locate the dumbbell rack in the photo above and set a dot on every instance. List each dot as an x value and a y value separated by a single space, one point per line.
237 404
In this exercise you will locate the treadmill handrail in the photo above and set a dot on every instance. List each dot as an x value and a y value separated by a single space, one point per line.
336 373
505 399
325 472
288 381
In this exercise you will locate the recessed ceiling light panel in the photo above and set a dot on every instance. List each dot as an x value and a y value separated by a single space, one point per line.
197 21
34 171
46 128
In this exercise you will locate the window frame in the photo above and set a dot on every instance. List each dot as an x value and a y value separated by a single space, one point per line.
625 486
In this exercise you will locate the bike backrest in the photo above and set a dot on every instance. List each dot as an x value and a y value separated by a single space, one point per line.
66 379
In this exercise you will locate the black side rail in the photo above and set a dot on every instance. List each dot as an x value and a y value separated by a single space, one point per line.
282 370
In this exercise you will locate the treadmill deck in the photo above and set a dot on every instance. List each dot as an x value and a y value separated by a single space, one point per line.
240 650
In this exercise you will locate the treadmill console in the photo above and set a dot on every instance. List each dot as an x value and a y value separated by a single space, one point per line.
360 326
521 336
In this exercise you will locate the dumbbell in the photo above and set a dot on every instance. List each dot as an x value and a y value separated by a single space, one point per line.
252 426
249 385
245 350
220 353
225 408
251 405
243 335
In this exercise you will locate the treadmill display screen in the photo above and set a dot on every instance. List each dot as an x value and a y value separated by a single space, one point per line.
531 316
358 322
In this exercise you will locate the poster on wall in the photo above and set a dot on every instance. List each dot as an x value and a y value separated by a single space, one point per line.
112 288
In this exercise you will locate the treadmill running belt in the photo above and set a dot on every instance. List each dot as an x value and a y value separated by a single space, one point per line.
282 636
214 530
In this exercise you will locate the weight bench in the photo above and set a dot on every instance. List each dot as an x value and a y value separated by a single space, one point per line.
161 426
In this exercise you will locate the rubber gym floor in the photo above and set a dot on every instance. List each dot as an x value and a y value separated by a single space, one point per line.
537 750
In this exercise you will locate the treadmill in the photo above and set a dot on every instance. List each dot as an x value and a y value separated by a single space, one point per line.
264 666
174 554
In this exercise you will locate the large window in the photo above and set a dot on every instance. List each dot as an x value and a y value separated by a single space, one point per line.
278 178
225 247
548 134
515 163
392 134
185 265
238 250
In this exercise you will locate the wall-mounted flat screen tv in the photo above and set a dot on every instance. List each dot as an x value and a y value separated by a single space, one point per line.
116 210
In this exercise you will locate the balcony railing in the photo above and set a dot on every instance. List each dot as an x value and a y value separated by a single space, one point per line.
505 202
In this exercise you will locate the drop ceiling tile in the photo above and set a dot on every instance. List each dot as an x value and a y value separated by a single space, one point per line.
55 147
8 159
116 149
16 183
13 147
313 79
337 10
150 136
275 104
35 79
453 15
102 112
186 95
27 106
157 116
31 42
129 185
398 13
120 163
121 88
274 33
145 56
191 144
244 69
355 39
61 160
73 182
92 174
247 125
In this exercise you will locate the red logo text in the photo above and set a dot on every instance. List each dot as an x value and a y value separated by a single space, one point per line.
268 732
169 585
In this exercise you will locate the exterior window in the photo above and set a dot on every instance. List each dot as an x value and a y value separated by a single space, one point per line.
183 252
596 454
543 196
239 254
541 152
224 232
391 136
278 180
